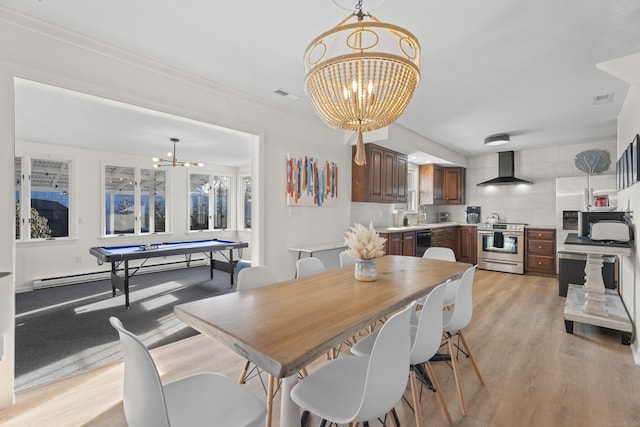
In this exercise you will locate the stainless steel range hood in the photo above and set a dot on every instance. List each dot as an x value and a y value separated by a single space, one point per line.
505 171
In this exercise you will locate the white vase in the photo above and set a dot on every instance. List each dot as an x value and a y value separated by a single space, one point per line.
366 270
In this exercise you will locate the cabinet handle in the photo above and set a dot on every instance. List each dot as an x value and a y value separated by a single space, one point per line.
539 262
539 247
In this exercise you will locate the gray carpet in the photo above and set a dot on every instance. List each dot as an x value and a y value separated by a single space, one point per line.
65 330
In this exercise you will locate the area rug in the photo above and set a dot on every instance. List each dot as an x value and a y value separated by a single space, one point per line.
65 330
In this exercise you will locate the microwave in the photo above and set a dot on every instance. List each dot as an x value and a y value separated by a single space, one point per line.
585 219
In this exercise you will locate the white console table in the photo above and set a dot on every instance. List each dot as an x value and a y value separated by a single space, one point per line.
594 285
617 319
310 249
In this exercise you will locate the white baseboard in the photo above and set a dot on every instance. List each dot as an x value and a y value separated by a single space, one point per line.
103 275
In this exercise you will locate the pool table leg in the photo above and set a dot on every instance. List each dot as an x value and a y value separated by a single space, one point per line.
126 283
231 262
113 273
210 265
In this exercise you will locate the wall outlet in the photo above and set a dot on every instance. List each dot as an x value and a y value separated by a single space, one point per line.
1 346
80 259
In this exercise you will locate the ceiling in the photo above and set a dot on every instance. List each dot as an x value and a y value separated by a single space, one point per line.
496 66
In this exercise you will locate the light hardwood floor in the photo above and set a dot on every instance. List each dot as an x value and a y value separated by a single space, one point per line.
535 373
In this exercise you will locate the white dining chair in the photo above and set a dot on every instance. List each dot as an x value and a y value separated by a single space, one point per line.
308 266
196 400
346 259
454 321
444 254
353 389
426 337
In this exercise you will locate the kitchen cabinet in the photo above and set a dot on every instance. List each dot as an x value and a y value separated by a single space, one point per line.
441 185
446 237
541 251
467 244
454 186
401 243
382 179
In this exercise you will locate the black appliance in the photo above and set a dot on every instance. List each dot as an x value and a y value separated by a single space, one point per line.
473 214
588 218
571 271
570 220
423 241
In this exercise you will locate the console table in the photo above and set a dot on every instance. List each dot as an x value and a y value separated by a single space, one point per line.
594 285
310 249
617 319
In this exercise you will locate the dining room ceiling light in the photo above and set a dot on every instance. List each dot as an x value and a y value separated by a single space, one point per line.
497 139
361 75
173 159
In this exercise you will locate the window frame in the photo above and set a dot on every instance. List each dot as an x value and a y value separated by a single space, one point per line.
241 194
137 200
232 211
26 158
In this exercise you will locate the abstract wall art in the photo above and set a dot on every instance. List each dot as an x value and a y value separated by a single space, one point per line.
311 182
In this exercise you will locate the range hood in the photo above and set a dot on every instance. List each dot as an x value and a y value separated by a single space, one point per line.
505 171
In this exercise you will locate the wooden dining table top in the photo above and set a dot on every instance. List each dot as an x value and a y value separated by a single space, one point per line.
284 326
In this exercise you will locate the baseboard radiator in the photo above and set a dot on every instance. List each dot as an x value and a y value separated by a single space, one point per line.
73 279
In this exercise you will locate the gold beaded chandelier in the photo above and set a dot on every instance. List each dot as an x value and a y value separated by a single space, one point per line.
360 76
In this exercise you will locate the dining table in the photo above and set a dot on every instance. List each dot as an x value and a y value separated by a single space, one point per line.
283 327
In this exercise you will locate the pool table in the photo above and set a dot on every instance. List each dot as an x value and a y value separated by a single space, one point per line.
117 255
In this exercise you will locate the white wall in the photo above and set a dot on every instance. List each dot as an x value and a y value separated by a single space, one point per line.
528 204
71 61
628 127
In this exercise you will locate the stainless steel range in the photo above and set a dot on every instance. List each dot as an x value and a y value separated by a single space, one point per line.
501 247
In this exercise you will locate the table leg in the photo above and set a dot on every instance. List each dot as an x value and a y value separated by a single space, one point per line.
568 326
126 283
113 273
289 411
594 286
231 262
210 265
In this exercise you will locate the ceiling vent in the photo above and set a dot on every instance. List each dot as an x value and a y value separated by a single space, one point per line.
286 94
603 99
505 171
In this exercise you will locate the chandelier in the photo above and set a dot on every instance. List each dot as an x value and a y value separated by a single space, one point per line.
360 76
173 159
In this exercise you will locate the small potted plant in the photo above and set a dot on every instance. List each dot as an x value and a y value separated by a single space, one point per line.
364 244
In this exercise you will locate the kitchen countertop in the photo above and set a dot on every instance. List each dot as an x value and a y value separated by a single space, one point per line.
550 227
396 229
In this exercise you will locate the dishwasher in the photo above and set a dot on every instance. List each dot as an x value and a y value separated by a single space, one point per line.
423 241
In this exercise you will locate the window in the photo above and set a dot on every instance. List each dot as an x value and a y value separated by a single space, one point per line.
412 184
208 202
246 202
134 200
46 210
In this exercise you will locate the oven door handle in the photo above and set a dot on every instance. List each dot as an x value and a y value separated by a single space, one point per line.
504 233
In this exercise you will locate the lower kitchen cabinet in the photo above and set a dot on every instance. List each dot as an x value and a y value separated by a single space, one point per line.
402 243
467 244
541 251
445 237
